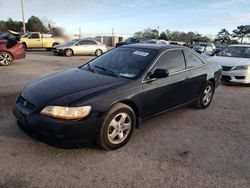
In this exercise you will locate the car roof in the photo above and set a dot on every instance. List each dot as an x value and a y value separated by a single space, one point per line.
241 45
158 47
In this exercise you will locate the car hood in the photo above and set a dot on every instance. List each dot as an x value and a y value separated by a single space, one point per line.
229 61
62 46
67 87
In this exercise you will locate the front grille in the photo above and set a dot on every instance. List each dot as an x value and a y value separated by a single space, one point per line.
25 104
226 78
226 68
240 77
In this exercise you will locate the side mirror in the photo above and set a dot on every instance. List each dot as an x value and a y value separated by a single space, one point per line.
159 73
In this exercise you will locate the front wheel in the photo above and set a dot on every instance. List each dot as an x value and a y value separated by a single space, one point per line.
206 96
98 52
68 52
117 127
5 58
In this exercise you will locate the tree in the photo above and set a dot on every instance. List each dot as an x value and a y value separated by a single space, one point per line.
223 37
163 36
35 24
241 32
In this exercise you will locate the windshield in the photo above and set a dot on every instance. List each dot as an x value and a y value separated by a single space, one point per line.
235 51
71 42
131 39
123 62
25 35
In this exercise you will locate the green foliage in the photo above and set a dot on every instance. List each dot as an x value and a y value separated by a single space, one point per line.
224 37
147 34
241 32
33 24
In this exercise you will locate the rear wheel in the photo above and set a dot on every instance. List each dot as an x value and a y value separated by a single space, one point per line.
68 52
98 52
24 46
117 127
5 58
206 96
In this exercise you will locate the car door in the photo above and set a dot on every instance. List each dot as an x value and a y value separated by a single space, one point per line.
92 46
81 48
35 41
165 93
198 73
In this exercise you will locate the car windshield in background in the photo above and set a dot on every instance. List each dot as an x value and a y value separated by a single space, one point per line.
25 35
71 42
131 39
123 62
235 51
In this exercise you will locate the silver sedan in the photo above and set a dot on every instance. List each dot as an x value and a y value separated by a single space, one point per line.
80 47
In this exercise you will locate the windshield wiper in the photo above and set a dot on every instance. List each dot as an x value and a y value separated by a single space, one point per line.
107 70
90 69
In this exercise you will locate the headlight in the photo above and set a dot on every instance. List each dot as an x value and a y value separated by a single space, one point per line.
70 113
243 67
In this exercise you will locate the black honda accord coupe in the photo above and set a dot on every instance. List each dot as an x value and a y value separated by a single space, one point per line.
105 99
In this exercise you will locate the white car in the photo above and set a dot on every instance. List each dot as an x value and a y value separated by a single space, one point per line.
235 62
155 41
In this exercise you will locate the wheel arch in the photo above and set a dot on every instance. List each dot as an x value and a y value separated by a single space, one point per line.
213 81
134 107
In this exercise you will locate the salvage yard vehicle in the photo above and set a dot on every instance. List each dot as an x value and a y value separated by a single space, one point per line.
235 62
38 40
10 48
105 99
80 47
130 40
154 41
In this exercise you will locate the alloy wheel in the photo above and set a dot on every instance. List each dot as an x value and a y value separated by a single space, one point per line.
207 95
119 128
5 58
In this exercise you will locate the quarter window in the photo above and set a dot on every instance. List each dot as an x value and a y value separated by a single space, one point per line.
172 61
35 36
192 60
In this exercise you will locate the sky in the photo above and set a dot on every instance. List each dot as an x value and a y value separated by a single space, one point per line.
98 17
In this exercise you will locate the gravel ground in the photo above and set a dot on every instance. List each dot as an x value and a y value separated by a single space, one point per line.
182 148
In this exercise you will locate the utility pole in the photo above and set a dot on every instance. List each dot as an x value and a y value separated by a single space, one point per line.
112 41
24 27
80 32
158 31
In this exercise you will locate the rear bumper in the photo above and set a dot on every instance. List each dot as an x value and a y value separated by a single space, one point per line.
55 129
236 76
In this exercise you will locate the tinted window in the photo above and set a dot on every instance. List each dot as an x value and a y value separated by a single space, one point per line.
34 36
91 42
83 42
172 61
235 51
123 62
192 60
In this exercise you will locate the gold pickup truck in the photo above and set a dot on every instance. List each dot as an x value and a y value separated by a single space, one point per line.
38 40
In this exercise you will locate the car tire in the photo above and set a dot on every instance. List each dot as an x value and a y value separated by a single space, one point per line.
24 46
68 52
5 58
206 96
98 52
117 127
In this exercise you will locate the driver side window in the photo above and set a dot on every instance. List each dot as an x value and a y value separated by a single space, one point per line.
34 36
172 60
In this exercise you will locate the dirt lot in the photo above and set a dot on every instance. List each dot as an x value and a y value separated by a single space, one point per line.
182 148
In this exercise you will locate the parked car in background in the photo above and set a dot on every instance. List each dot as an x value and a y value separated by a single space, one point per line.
130 40
10 48
235 62
207 49
80 47
105 99
38 40
155 41
219 47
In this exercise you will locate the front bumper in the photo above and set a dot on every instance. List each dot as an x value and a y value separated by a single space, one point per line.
58 51
236 76
56 129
